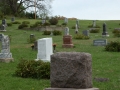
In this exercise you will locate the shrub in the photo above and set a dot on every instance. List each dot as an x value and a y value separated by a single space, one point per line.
81 36
21 26
58 25
46 24
9 24
46 32
91 26
32 40
25 22
113 46
116 33
94 30
33 69
64 24
16 22
36 24
73 27
53 21
57 32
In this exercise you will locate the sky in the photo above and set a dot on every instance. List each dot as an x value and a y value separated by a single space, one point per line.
87 9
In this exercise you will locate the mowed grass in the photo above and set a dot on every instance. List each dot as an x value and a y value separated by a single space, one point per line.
104 64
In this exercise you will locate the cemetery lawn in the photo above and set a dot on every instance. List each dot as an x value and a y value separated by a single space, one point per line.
105 64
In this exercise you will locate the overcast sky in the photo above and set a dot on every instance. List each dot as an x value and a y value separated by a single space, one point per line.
87 9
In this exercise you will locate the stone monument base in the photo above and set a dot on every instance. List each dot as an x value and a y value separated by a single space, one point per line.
6 60
2 30
105 35
71 89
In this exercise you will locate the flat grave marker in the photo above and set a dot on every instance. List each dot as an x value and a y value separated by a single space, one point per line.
100 42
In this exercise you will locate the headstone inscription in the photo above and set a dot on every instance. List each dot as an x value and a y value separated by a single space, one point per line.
100 42
5 55
105 33
45 49
71 71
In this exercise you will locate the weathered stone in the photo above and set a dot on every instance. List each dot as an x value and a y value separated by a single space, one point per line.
5 55
71 70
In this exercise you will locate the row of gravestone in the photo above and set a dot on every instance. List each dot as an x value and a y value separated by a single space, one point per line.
4 24
104 33
64 75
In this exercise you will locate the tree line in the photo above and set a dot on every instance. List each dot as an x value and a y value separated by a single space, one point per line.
24 7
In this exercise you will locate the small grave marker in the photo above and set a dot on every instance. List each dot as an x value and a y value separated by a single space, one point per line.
66 31
13 19
100 42
86 32
66 20
76 29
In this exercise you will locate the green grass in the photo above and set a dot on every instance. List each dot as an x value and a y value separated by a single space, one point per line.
104 64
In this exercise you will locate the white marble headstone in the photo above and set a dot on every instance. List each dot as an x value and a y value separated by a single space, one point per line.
45 49
66 20
76 27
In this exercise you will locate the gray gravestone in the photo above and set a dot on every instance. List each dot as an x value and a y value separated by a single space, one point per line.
66 31
4 21
35 45
94 23
2 28
32 36
100 42
13 19
66 20
85 32
105 33
76 29
77 22
71 71
5 55
1 35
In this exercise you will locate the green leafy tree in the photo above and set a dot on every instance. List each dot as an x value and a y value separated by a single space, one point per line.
18 6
